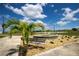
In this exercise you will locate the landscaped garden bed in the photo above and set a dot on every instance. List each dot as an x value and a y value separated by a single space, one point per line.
38 48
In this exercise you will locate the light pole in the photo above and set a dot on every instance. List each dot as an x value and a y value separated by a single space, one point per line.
54 28
3 24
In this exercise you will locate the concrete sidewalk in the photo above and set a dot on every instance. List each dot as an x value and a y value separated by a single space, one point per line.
9 46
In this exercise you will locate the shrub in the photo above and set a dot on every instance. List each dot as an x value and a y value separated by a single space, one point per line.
61 41
74 29
67 39
52 42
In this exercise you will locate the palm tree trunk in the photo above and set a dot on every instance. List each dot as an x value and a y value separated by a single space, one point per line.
3 29
23 49
27 41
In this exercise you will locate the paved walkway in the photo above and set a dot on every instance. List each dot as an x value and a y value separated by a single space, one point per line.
71 49
9 46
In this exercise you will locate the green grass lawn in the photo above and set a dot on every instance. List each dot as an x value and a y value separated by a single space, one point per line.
2 36
70 33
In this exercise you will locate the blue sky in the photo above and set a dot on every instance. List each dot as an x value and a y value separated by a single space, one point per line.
60 15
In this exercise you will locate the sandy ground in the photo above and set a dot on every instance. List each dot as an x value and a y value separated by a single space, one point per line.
8 46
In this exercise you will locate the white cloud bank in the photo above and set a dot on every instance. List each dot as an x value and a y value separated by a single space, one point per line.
29 10
69 16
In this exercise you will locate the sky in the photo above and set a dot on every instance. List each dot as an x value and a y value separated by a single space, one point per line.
51 15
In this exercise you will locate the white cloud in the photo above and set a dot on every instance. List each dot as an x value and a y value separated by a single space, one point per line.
33 11
29 10
67 10
76 11
48 27
39 21
69 14
31 21
25 19
62 23
15 10
45 25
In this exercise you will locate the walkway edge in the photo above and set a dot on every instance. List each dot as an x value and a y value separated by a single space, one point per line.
40 54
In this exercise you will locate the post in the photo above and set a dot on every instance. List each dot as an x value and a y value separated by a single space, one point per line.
3 25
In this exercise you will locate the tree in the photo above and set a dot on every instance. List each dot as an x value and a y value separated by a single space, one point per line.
25 29
74 29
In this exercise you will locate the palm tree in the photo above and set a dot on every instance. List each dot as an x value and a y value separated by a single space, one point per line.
25 29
